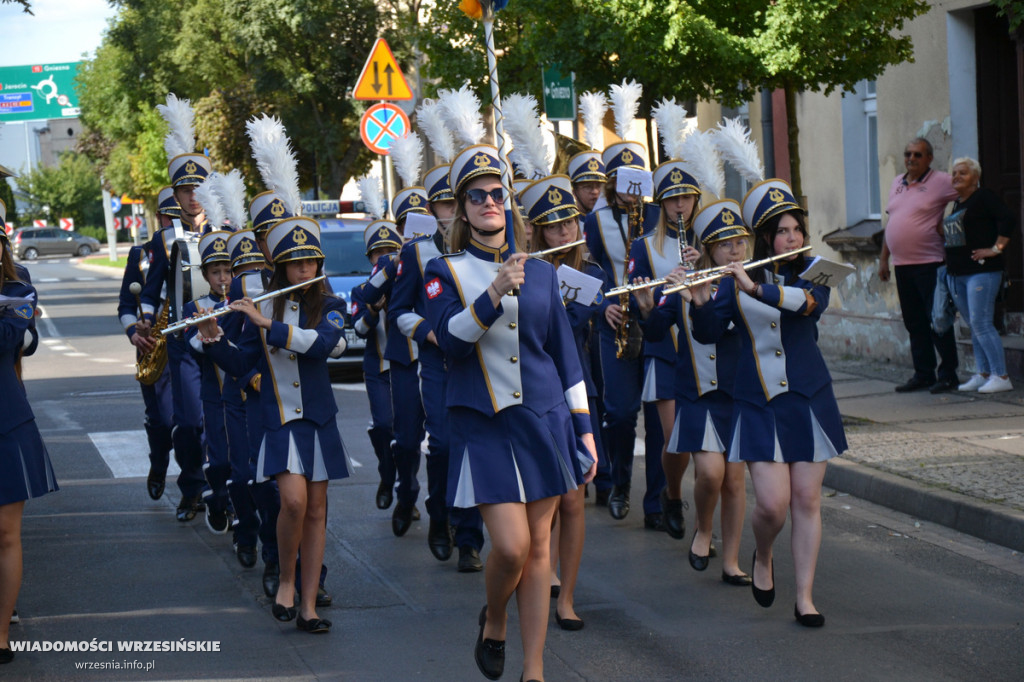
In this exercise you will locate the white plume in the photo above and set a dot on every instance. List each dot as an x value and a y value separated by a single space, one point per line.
625 102
209 199
231 190
275 159
671 119
181 139
372 194
430 118
732 140
407 155
522 123
702 162
461 110
594 105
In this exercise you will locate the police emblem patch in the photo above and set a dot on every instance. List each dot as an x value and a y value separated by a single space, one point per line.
336 319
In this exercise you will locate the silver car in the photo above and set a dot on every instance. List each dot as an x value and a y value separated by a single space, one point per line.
30 243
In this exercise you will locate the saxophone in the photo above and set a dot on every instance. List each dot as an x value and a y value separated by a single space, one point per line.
628 336
149 366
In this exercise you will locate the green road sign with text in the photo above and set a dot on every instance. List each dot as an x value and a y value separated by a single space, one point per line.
559 95
38 91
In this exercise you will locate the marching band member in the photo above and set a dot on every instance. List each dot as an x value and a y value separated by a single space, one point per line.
513 429
156 396
703 397
187 169
652 256
25 470
216 269
290 339
555 217
786 423
382 243
608 235
586 169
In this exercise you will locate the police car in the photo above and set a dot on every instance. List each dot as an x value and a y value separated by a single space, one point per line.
346 267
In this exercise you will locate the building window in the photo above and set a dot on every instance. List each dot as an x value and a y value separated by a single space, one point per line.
860 154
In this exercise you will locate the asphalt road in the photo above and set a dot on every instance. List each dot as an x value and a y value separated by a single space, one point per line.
903 600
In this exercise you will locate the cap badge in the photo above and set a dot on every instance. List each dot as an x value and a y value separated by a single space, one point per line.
594 165
219 245
300 237
245 246
414 200
676 177
554 196
627 156
190 167
728 217
776 195
383 233
481 161
276 208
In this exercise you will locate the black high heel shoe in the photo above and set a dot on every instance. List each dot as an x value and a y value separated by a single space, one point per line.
808 620
283 613
489 653
764 598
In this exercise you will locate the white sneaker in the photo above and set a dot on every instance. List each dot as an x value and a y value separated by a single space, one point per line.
996 384
974 383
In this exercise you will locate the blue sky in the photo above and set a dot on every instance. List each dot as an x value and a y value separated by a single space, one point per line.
60 31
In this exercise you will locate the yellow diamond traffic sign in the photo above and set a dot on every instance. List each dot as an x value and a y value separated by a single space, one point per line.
381 78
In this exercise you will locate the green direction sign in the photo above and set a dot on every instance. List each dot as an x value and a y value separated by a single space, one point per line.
38 91
559 94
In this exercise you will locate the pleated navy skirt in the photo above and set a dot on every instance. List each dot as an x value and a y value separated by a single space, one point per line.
25 469
702 425
302 447
790 428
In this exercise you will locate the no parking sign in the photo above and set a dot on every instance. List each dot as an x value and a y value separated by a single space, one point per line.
381 124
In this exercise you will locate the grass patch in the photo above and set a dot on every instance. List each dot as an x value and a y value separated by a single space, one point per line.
104 261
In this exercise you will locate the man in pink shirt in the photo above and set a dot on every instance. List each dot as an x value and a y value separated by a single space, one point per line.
914 239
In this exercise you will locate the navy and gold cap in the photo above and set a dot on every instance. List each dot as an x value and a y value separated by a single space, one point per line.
213 247
519 186
587 167
265 209
381 234
166 203
409 200
719 221
672 180
295 238
550 200
189 169
472 162
623 154
766 200
244 249
436 182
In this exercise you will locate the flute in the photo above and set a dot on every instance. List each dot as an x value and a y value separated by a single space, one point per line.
556 249
630 288
196 319
746 266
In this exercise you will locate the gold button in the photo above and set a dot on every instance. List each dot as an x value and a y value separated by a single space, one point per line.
513 359
511 325
782 383
517 394
774 325
298 410
295 384
711 357
778 353
714 383
291 356
295 307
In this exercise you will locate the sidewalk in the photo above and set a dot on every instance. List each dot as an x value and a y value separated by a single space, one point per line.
956 459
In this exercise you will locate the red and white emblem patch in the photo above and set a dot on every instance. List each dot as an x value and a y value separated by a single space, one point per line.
434 288
661 301
632 264
399 273
355 309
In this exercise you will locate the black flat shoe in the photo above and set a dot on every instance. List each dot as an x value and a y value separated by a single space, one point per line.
808 620
155 485
385 495
401 519
316 626
763 597
489 653
698 562
618 502
439 539
469 560
246 555
323 599
283 613
271 579
675 525
555 591
6 656
737 580
570 624
915 383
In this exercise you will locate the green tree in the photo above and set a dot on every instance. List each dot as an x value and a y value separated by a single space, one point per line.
69 190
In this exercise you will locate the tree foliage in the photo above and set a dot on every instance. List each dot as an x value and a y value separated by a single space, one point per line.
69 190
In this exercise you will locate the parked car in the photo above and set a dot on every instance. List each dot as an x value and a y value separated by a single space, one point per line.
346 267
30 243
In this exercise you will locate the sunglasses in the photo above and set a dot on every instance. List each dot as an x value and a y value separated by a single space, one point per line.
916 155
478 197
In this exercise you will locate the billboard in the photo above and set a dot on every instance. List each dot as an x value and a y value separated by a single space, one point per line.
38 91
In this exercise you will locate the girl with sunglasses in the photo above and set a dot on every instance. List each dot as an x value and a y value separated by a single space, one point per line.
516 398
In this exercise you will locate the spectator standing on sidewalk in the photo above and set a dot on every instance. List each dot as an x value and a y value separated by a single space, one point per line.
914 239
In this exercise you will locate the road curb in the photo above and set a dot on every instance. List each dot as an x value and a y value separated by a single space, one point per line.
953 510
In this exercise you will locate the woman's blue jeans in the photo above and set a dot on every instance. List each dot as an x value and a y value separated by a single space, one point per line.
975 298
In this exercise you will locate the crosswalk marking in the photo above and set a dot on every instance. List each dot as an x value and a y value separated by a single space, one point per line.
126 453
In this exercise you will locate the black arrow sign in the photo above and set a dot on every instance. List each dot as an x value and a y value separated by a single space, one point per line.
388 70
376 79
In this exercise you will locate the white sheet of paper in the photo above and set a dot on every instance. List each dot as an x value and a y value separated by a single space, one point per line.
827 273
576 286
417 224
634 181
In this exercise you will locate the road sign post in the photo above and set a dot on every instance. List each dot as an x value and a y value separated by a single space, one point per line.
559 94
381 125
